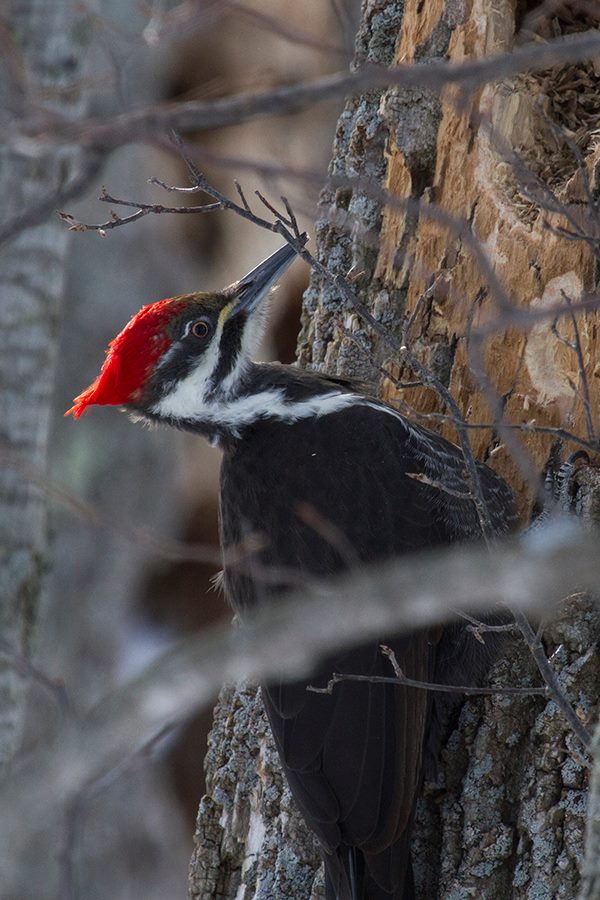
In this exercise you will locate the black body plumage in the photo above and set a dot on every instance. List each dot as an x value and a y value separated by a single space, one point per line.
354 760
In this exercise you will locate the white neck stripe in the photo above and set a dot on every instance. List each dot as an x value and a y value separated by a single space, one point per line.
241 411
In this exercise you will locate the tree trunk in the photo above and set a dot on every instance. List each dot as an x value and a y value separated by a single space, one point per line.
41 57
72 619
506 817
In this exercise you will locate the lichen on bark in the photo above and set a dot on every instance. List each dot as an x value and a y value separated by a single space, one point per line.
250 841
510 806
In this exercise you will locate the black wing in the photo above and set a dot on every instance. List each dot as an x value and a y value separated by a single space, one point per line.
337 489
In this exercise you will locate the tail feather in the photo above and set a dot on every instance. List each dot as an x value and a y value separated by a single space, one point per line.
352 875
341 875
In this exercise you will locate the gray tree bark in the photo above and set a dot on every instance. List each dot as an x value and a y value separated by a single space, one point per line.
41 57
506 816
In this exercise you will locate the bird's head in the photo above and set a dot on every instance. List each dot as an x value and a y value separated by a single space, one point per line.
173 356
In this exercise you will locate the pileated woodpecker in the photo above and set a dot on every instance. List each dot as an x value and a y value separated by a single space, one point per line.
295 441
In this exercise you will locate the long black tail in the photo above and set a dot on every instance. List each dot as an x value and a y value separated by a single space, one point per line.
351 874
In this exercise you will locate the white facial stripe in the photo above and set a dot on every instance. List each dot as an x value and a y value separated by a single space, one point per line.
187 391
242 411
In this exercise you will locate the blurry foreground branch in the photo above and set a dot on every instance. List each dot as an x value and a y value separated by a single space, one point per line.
531 575
149 123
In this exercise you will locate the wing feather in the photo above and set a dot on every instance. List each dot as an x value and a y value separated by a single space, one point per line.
354 758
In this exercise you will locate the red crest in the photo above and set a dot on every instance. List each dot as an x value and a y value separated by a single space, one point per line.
130 357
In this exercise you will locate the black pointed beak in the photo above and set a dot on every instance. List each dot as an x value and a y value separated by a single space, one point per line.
254 286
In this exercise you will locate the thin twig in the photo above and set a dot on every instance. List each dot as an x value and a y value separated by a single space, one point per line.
443 418
242 196
550 677
143 209
440 486
173 188
403 680
21 664
477 628
526 427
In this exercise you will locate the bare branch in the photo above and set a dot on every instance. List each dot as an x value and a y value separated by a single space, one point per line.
54 687
200 185
242 196
550 677
38 212
338 677
146 123
526 427
402 679
143 209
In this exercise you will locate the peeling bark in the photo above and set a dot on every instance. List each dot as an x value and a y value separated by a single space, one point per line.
506 817
534 375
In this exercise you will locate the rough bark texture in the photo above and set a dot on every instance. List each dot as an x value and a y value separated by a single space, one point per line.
507 815
250 840
45 57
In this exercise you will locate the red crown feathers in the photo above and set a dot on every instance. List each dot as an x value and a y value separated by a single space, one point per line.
130 357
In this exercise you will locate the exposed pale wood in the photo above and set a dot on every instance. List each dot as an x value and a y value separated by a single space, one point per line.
473 181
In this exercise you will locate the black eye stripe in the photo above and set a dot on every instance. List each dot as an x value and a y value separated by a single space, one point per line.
229 348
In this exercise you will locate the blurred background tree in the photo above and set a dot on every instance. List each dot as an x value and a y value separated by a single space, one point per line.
42 63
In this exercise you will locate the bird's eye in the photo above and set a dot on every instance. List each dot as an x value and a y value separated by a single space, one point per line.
201 328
